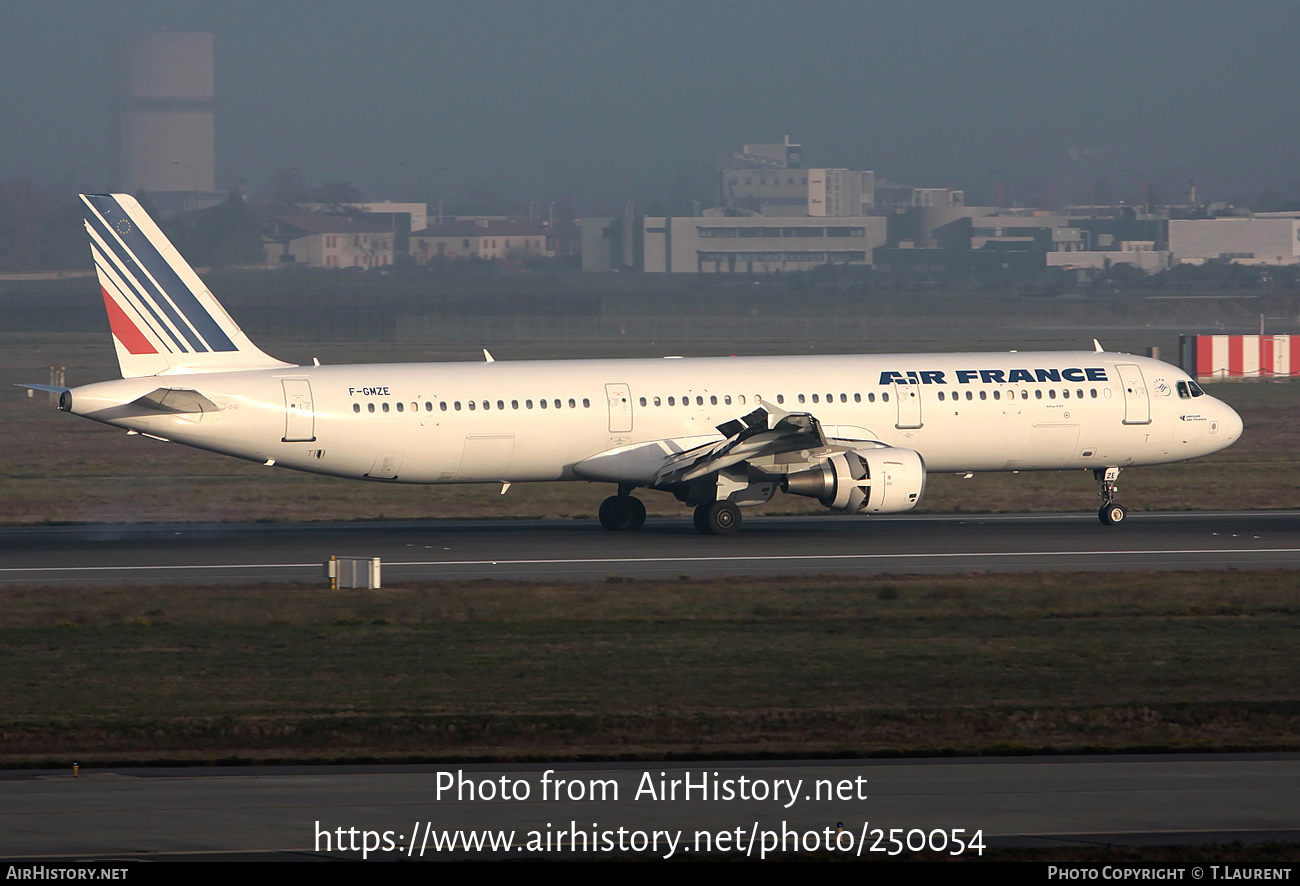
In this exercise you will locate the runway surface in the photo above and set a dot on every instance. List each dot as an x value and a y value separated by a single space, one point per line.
298 813
665 548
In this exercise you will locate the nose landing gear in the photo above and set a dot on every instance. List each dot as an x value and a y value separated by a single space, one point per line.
1112 513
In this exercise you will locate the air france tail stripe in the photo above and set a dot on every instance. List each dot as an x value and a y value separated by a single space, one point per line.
124 330
137 280
164 276
134 298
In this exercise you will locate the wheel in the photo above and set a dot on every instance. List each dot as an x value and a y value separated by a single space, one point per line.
701 518
718 518
622 513
1112 514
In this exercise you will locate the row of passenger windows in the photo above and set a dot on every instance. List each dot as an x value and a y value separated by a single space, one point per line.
714 400
474 405
1024 395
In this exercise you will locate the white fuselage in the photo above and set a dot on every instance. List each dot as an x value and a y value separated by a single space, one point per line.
531 421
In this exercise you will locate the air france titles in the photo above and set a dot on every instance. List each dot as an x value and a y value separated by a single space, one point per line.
993 376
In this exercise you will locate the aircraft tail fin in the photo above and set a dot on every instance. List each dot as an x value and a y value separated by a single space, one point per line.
164 319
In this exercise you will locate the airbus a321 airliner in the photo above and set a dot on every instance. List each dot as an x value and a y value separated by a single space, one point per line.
857 433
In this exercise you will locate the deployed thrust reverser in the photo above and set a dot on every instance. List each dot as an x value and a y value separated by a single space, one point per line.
873 481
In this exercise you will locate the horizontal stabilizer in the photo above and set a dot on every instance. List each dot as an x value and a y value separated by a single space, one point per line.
53 389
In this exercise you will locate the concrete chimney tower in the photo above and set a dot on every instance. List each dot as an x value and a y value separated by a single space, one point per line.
168 119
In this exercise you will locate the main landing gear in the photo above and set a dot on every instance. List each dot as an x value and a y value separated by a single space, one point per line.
622 513
717 518
1112 513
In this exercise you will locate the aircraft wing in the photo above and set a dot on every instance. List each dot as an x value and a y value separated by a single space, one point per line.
766 431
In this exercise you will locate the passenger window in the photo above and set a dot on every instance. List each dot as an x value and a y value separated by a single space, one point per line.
1038 394
801 398
557 403
1051 394
997 395
1066 393
528 404
984 395
542 403
941 395
780 398
857 398
726 400
657 403
472 405
713 400
400 407
458 406
573 404
871 398
385 407
814 398
643 401
428 407
501 404
699 401
970 396
442 405
672 401
586 404
844 398
514 404
884 398
356 407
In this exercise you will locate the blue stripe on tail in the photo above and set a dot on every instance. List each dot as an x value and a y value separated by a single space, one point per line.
134 249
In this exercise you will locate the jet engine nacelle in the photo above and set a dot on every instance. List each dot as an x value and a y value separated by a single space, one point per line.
871 481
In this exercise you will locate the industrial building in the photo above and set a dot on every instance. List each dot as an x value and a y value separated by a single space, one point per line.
1254 241
758 245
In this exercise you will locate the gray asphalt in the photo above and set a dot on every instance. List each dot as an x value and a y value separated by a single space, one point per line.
665 548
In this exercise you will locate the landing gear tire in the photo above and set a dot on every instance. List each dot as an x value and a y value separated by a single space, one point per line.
622 513
1112 514
717 518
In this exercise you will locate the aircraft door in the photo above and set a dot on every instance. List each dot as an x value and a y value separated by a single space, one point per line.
620 408
299 414
1137 405
909 405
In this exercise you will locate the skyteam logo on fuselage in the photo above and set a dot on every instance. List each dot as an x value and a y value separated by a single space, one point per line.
992 376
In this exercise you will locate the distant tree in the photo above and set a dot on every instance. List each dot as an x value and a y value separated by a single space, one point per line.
338 196
287 188
227 234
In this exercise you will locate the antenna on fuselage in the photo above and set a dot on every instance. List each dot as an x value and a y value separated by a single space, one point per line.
1097 347
488 356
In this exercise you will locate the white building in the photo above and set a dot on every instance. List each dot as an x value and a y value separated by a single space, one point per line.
486 239
1252 241
328 241
758 244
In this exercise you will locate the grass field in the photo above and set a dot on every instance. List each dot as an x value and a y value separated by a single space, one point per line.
733 668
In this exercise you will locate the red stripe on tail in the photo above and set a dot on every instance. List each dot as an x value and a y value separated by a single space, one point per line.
124 330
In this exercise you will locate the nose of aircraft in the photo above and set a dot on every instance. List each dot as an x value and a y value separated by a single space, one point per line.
1230 424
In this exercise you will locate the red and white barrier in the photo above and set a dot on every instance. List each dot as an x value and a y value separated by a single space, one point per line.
1215 357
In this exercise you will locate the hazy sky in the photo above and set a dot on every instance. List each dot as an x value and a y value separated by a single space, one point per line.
613 100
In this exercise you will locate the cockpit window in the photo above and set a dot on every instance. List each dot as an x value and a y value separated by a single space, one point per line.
1183 392
1196 389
